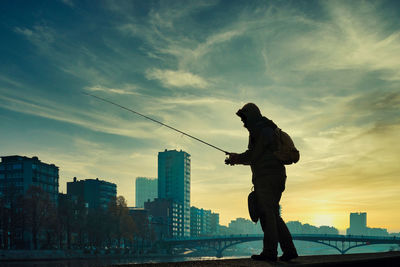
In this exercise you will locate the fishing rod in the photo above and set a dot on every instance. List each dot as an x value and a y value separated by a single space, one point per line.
156 121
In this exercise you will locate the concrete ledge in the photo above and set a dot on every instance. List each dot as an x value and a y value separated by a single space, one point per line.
364 259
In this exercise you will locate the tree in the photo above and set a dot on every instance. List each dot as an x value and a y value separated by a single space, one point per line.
122 225
4 222
98 227
65 220
142 229
80 221
11 218
39 212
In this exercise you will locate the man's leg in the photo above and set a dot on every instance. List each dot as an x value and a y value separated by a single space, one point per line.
285 238
268 207
269 253
268 224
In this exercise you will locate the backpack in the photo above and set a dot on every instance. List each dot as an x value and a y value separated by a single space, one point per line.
286 152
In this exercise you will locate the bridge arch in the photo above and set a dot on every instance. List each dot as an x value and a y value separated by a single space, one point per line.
219 251
342 250
220 243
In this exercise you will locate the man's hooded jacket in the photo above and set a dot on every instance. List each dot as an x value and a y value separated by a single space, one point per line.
262 143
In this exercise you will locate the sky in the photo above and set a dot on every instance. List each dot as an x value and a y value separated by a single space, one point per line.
326 72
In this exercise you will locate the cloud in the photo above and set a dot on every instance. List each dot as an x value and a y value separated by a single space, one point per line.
179 79
41 36
119 91
95 120
96 66
380 103
190 101
190 53
69 3
354 38
166 40
10 81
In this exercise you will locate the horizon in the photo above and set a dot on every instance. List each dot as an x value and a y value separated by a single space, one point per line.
326 72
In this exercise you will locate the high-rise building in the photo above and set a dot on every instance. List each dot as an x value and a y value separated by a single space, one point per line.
195 222
214 223
358 224
146 190
200 222
96 193
18 173
166 217
174 181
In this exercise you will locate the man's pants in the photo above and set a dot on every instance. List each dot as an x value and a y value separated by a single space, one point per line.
275 230
273 226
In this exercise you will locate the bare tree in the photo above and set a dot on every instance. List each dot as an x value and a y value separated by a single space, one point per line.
39 211
65 219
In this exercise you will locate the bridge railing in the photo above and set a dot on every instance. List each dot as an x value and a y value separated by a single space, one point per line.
349 236
295 236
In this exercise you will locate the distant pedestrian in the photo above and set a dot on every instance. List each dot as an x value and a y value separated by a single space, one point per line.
269 178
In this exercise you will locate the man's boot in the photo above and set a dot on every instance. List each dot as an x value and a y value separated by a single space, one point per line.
264 257
288 256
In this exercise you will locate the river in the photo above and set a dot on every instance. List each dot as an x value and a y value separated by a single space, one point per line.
303 249
105 262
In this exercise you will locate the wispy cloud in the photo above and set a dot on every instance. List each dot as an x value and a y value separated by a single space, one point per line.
41 36
350 41
121 91
179 79
10 81
69 3
94 120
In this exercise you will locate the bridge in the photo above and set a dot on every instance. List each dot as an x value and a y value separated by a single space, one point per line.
342 243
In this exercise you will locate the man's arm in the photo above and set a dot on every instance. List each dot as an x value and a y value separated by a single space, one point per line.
253 152
235 158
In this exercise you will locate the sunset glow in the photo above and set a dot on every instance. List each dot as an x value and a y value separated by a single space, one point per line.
326 72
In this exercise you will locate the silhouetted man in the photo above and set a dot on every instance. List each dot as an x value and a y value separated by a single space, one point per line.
269 177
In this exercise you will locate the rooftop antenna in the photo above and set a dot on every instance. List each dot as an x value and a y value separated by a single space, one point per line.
156 121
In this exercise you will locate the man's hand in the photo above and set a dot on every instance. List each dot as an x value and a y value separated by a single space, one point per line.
232 159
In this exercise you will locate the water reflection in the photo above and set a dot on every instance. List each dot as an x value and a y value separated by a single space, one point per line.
72 263
311 250
103 262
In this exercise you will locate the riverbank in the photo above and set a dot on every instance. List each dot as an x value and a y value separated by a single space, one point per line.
59 255
54 258
364 259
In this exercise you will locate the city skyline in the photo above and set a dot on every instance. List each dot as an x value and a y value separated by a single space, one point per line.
327 72
96 193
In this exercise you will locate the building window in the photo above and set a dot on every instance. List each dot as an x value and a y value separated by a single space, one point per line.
17 166
2 176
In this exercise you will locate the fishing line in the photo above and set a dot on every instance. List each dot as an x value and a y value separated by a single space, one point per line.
156 121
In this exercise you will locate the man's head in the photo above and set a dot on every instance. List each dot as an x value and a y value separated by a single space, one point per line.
249 114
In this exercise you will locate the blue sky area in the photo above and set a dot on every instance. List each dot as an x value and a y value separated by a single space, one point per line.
327 72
